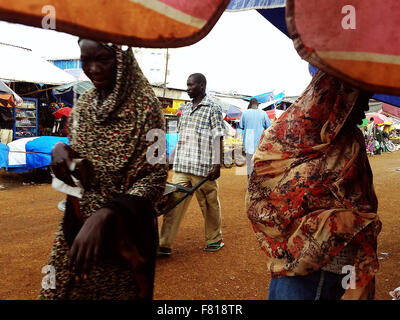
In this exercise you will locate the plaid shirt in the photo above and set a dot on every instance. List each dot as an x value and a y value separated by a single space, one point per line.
198 143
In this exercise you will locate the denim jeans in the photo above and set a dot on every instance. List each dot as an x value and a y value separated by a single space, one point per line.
319 285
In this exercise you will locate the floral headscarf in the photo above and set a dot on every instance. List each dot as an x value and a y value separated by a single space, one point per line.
311 192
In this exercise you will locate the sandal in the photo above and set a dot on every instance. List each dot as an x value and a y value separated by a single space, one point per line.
214 246
163 252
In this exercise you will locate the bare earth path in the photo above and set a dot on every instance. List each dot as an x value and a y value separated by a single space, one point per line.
29 218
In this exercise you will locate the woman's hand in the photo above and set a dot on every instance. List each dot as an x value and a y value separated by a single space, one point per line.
61 159
88 243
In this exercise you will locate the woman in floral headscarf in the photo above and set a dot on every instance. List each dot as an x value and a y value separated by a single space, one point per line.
311 198
106 243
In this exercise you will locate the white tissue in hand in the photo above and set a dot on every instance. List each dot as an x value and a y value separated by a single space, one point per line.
61 186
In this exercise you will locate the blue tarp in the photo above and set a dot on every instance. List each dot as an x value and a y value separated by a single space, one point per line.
272 10
40 158
236 5
172 140
38 152
42 147
264 97
393 100
233 112
3 156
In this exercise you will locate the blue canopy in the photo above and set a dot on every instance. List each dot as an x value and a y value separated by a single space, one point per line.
393 100
272 10
264 97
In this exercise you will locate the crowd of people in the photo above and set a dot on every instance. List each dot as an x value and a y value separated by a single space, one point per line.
377 137
310 196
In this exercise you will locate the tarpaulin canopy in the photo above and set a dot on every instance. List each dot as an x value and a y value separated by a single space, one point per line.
391 110
28 153
233 113
8 98
4 149
231 107
392 100
274 12
268 98
351 41
21 64
264 97
138 23
78 86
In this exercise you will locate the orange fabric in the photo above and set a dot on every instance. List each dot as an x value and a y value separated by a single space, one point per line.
151 24
356 30
7 100
384 74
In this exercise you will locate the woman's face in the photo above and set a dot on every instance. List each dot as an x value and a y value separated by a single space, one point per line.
358 113
99 64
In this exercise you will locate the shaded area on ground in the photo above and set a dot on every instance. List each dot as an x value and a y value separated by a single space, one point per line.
29 218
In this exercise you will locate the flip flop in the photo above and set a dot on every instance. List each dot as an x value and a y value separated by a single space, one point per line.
163 252
214 246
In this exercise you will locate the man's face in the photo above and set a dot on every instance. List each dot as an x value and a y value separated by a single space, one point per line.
194 87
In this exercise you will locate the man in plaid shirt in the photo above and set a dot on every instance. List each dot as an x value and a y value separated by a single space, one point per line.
198 155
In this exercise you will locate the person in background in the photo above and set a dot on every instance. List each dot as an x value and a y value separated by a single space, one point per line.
105 246
198 155
6 124
378 134
253 122
370 137
311 198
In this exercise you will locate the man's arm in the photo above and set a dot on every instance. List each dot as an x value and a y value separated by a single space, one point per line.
216 169
241 122
218 131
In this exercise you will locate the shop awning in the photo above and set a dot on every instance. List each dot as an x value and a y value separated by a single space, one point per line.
21 64
227 101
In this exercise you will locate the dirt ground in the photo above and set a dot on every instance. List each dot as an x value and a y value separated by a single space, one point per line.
29 217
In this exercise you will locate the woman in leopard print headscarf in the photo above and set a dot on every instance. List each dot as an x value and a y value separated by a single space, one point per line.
105 245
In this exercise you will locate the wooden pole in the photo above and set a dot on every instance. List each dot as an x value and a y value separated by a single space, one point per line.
165 75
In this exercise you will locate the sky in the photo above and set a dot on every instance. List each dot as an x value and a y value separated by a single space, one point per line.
243 53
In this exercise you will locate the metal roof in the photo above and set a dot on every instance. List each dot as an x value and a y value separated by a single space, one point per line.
21 64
